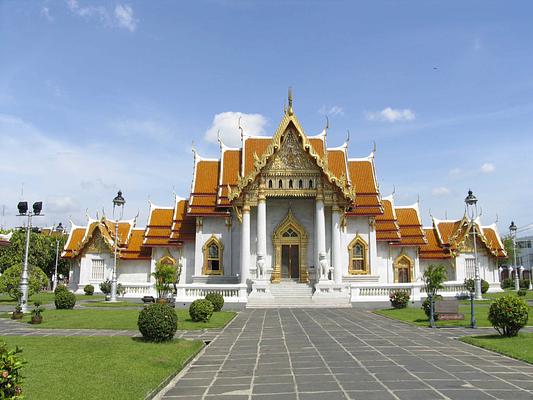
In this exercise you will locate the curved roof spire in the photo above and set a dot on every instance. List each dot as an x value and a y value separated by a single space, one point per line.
289 109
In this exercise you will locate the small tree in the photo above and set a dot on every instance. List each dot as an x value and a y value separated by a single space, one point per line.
165 276
10 280
434 278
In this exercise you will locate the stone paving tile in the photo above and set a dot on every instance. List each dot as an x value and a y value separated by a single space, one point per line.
348 354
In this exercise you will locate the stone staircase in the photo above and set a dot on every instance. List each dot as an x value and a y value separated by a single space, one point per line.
290 293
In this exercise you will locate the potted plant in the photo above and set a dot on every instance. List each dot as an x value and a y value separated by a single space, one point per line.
17 314
165 276
36 313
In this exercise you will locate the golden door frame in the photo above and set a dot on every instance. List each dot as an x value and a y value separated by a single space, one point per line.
403 261
279 240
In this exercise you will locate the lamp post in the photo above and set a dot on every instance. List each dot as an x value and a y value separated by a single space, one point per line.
471 209
118 201
24 279
59 231
512 233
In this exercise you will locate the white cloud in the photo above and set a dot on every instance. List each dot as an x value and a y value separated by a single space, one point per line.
142 128
456 171
391 115
440 191
124 16
487 168
332 111
228 125
45 12
61 204
121 17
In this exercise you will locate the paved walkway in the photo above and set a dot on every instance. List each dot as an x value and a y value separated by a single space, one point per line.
334 354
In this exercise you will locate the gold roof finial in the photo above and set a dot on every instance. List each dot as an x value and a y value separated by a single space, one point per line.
289 109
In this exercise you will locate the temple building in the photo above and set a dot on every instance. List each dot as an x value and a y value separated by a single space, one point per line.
280 221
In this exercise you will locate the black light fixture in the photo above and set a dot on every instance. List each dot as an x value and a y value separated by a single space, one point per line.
512 228
37 207
118 201
470 200
60 229
23 207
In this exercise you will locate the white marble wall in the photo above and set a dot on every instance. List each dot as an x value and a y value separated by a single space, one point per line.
212 226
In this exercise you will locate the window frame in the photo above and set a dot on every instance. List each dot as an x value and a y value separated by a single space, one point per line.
213 240
358 241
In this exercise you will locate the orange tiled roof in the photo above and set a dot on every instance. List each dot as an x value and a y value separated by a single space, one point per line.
433 248
362 177
387 228
230 172
447 229
159 225
205 187
337 163
411 231
134 249
318 145
183 226
253 145
493 238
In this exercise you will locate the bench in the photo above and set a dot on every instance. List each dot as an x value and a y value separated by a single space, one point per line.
448 310
148 299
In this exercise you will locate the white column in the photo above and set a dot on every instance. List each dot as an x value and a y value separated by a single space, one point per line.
261 236
321 239
373 247
336 243
245 244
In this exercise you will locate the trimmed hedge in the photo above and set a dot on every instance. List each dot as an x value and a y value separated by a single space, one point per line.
216 299
158 322
201 310
470 285
65 300
399 299
60 288
89 290
508 315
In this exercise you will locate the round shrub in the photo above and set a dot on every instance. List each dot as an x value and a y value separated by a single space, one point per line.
216 299
521 292
89 290
524 283
470 285
158 322
201 310
508 315
399 299
65 300
507 283
60 288
426 306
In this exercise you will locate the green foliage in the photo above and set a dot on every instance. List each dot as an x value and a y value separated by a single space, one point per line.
121 290
89 290
507 283
60 288
165 276
10 280
399 299
521 292
434 278
37 309
508 315
10 375
105 287
426 306
201 310
65 300
470 285
158 322
42 252
216 299
509 248
524 284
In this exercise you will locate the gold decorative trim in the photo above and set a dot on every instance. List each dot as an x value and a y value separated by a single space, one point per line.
205 249
396 265
358 240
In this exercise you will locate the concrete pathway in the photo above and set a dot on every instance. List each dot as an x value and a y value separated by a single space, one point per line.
308 354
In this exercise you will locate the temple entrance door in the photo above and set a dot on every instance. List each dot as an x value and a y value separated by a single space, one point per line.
290 261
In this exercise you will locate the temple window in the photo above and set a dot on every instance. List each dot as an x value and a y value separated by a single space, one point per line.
300 184
357 251
280 184
403 268
213 257
97 269
270 184
310 184
290 184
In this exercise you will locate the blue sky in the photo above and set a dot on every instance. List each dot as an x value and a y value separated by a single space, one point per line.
100 95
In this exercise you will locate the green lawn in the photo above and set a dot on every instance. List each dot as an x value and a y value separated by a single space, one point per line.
519 347
415 315
100 303
70 368
119 319
492 296
44 298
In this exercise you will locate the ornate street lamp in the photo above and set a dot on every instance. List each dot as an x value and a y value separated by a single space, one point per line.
59 232
119 202
24 279
471 209
512 233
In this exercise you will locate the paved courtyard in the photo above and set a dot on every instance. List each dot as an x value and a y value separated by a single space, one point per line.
331 354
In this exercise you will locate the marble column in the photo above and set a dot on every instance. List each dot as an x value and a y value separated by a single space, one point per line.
245 244
323 265
261 236
373 246
336 243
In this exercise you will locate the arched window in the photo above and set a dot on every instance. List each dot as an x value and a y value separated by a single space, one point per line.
213 250
300 184
403 267
290 183
270 184
310 184
357 252
280 184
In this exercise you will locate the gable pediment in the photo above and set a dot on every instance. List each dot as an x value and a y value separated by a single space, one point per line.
290 157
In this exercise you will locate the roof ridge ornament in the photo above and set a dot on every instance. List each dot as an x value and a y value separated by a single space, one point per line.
289 98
